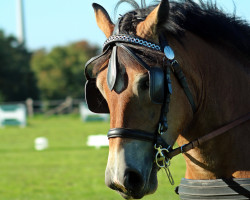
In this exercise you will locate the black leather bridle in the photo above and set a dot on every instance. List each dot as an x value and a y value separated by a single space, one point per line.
159 78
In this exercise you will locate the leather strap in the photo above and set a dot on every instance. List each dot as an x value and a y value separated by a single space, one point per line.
209 136
138 135
131 133
183 81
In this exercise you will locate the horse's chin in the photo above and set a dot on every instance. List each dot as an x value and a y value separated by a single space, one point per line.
138 195
134 196
129 197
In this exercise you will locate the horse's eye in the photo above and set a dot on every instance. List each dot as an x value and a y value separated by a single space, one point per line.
144 84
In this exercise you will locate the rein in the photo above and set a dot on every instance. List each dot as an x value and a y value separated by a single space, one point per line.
198 142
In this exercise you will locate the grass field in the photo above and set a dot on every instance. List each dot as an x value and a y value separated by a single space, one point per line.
68 169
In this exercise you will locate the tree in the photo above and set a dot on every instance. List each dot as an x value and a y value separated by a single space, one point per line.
17 80
60 72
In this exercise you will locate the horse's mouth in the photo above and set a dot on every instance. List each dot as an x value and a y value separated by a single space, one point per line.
127 194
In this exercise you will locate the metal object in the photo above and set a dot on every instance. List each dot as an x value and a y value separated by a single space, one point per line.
161 129
169 53
163 162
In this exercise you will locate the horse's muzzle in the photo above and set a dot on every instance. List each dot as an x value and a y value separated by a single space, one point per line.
131 169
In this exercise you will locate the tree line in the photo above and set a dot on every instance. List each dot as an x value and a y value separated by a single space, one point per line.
42 75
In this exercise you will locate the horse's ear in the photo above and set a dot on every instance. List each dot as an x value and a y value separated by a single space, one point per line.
103 20
148 28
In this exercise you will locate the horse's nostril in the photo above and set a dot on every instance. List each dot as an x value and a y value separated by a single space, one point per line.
133 181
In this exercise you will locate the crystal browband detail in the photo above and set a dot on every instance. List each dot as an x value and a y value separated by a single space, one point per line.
131 40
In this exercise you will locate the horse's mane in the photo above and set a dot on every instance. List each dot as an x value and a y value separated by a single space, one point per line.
205 20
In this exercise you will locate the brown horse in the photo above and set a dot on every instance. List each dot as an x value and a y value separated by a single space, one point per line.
213 51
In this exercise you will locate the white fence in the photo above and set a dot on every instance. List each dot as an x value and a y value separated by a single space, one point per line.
98 141
17 111
13 114
87 115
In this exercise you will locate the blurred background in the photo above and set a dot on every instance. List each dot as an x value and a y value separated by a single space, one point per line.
43 48
44 45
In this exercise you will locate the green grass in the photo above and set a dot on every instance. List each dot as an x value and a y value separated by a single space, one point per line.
68 169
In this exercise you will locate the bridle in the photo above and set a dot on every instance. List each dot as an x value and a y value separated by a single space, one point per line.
160 90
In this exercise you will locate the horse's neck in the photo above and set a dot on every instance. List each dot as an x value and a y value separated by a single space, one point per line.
223 96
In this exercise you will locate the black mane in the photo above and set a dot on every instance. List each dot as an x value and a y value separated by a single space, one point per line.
205 20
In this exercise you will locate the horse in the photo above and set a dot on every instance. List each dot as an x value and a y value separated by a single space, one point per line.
174 72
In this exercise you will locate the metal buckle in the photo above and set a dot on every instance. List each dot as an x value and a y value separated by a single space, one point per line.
182 151
163 162
160 128
160 158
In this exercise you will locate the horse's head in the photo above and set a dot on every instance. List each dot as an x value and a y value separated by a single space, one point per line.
131 81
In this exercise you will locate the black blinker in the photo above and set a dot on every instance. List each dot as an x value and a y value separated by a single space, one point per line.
94 99
156 80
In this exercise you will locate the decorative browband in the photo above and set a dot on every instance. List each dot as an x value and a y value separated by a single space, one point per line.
131 40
